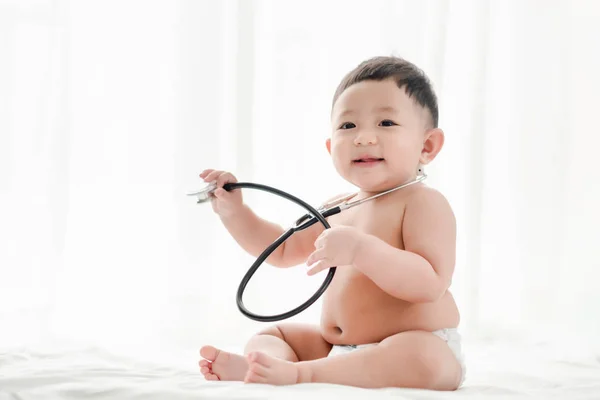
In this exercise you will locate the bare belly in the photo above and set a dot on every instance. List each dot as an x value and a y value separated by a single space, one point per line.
356 311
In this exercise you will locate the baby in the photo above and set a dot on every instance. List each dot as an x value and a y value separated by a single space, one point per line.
388 319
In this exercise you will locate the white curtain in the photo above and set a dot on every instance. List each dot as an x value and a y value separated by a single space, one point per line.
110 109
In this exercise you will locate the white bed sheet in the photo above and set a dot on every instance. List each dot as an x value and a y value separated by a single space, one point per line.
495 370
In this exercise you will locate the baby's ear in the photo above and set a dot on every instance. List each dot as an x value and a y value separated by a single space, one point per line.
328 145
434 141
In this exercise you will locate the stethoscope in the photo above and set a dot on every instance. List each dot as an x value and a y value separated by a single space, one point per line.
314 215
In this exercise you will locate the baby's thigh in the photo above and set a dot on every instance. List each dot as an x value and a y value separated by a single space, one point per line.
305 339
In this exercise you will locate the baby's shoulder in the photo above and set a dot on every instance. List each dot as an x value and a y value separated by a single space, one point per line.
425 198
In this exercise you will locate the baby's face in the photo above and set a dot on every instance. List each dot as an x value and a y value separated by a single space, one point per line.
378 135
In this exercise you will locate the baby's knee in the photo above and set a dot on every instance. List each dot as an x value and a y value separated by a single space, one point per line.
273 330
435 371
272 341
430 370
430 363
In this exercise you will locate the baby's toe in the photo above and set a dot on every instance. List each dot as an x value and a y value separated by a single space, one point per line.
257 369
211 377
253 377
205 370
209 352
257 357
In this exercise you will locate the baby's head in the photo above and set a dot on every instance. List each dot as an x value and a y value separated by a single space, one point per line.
384 124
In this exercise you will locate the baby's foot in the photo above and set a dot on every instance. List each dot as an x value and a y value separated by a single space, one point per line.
220 365
266 369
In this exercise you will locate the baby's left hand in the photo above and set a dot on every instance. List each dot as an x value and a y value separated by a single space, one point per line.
336 246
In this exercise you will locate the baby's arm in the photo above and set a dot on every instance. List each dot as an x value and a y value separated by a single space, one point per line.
422 272
255 234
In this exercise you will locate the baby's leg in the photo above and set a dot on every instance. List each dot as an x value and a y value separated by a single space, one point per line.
410 359
290 342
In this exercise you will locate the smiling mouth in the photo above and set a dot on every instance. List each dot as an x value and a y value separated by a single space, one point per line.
368 160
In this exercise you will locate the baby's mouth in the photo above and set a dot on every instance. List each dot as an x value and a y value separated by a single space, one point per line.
368 160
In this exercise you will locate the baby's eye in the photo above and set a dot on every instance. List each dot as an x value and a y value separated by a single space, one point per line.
347 125
387 122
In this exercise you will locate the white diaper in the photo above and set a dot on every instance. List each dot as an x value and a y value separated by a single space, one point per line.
449 335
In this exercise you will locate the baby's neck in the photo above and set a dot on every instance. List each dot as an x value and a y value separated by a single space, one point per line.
364 193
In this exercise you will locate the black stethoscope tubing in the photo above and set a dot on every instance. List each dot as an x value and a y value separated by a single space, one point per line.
302 223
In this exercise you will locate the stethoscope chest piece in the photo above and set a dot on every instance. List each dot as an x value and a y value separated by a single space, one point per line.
204 194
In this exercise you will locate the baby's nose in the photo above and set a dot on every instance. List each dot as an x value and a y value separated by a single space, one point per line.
365 138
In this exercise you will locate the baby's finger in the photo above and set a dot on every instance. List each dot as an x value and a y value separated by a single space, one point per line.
320 242
220 193
204 173
225 177
315 256
213 175
320 266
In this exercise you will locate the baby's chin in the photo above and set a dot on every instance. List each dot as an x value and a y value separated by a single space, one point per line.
371 186
376 185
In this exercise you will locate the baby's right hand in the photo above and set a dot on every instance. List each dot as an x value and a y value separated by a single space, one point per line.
224 203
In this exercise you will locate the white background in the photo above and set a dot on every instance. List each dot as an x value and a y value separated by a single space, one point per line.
110 109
